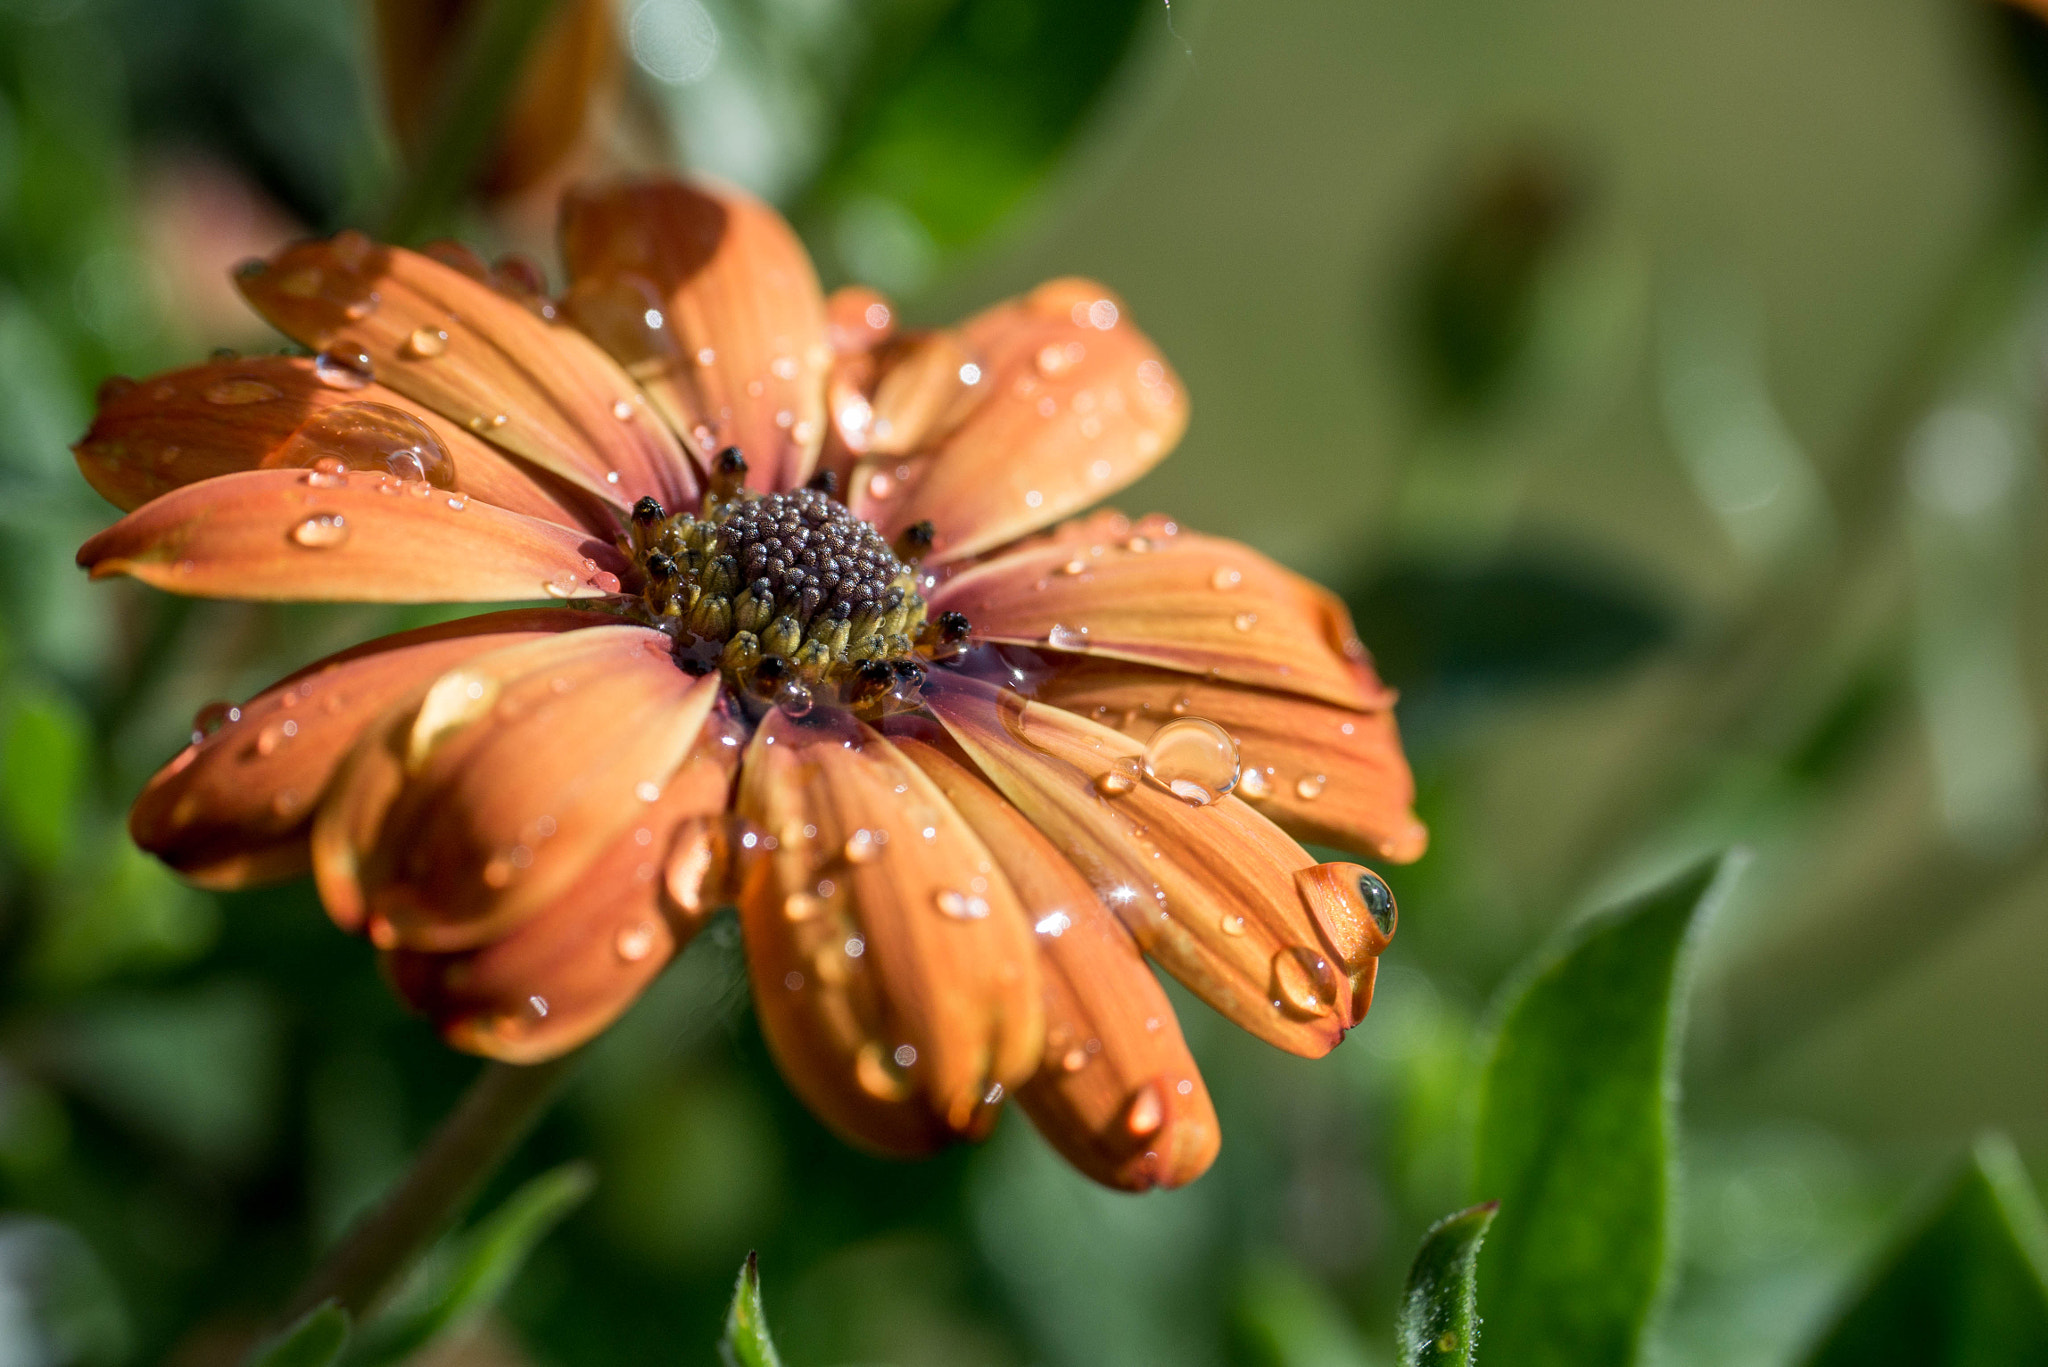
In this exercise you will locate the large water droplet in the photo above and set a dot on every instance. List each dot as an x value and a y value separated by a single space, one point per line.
1192 758
322 531
1378 899
1304 983
369 436
343 368
423 344
235 392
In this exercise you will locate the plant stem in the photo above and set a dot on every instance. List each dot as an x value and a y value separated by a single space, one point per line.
493 1116
491 58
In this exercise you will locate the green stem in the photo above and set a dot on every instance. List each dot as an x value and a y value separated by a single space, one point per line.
491 56
493 1116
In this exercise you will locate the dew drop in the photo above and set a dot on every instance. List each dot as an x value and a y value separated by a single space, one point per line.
635 942
1378 899
1255 783
1074 1060
905 1055
343 368
268 739
1066 638
1304 982
212 718
423 344
622 410
1245 621
1192 758
1146 1113
322 531
878 1073
862 848
369 436
1119 778
1232 925
1078 565
232 393
1309 787
1226 578
993 1095
562 586
962 906
801 906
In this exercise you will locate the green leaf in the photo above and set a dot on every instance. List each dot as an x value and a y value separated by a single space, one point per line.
45 744
1965 1285
746 1342
1439 1323
1286 1318
455 1287
315 1341
1575 1134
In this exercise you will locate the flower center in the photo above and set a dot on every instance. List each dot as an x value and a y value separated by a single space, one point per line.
790 593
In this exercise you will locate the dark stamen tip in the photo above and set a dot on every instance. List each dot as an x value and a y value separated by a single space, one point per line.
660 568
648 510
825 482
729 462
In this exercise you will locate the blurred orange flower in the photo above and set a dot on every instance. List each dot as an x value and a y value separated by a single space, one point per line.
824 649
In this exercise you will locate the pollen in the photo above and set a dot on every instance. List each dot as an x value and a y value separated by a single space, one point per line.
788 593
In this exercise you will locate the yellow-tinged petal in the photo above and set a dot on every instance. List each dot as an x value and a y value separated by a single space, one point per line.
709 300
1117 1092
1210 891
301 535
1174 599
893 971
1326 774
472 806
455 344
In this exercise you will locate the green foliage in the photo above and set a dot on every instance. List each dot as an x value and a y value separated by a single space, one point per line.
1286 1318
1966 1285
746 1342
41 772
1575 1135
467 1278
1439 1324
316 1340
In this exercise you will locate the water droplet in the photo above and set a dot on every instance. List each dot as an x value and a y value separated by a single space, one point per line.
212 718
962 906
1309 787
343 368
369 436
231 393
424 344
538 1005
1378 899
993 1095
1074 1060
905 1055
1232 925
1192 758
794 699
878 1074
622 410
1146 1113
1120 777
268 739
322 531
793 980
1304 982
801 906
1066 638
457 502
1078 565
1255 783
636 942
862 847
1245 621
563 585
1226 578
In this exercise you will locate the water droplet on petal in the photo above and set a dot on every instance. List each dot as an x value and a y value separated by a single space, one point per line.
232 393
1303 982
1255 783
563 585
1119 778
878 1074
212 718
636 942
1066 638
423 344
322 531
1192 758
1309 787
801 906
343 368
622 410
369 436
1232 925
1226 578
962 906
862 848
1146 1113
1073 1061
1245 621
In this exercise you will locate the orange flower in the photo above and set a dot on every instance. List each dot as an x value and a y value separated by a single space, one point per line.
960 772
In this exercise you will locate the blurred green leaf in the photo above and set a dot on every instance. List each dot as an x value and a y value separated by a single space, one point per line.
746 1342
126 913
315 1341
1575 1134
1286 1318
1439 1323
1965 1286
40 775
453 1288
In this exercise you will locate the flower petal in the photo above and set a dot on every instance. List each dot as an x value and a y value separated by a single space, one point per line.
1117 1093
469 808
543 392
1324 774
555 981
893 971
295 535
158 434
234 807
1032 411
709 300
1174 599
1216 894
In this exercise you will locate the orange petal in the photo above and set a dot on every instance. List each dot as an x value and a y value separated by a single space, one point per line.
233 808
154 435
892 967
293 535
576 965
540 391
709 300
1322 773
1117 1093
1032 411
1165 597
467 810
1213 893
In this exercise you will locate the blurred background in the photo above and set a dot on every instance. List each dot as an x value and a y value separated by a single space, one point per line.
1662 385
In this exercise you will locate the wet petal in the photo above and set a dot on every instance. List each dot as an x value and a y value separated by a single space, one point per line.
233 808
893 970
455 344
1325 774
1117 1093
295 535
155 435
471 807
1213 893
1032 411
575 966
1175 599
709 300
